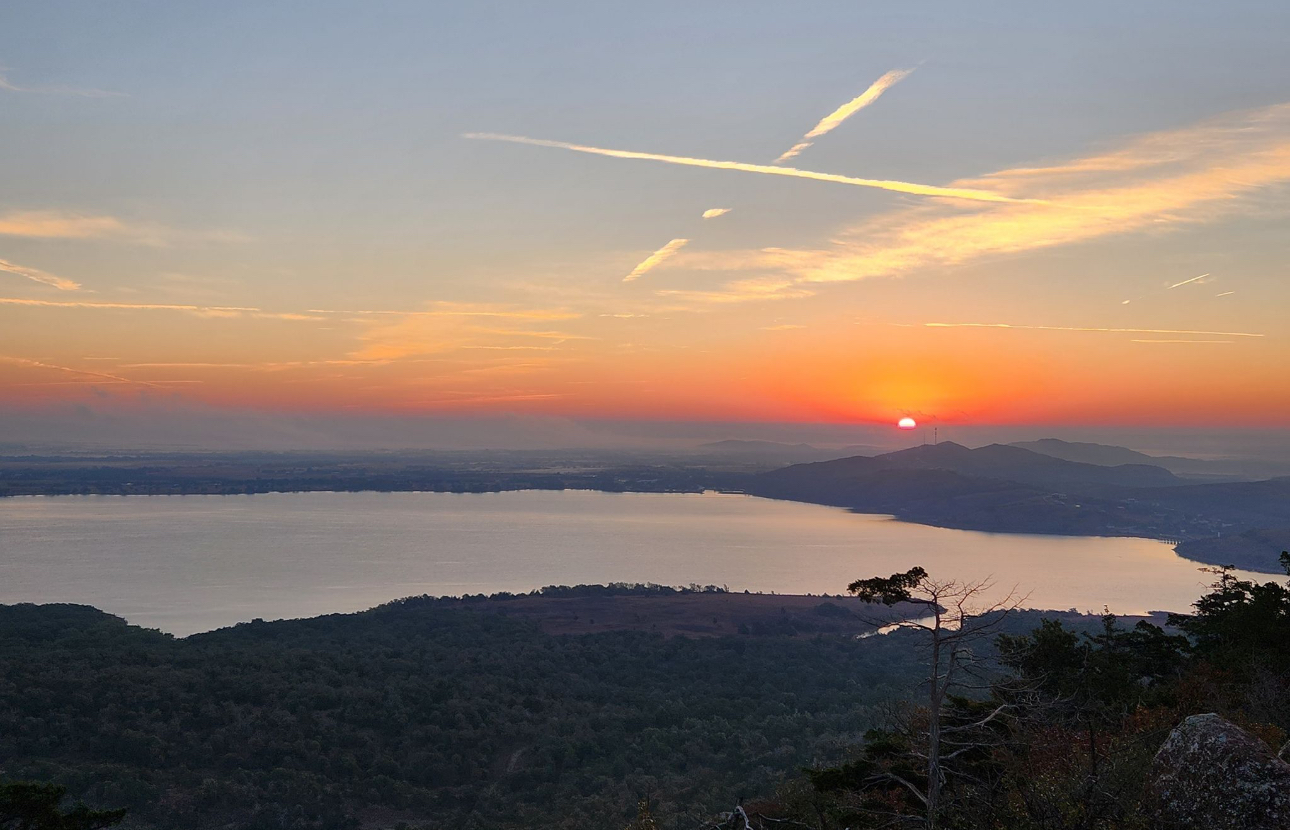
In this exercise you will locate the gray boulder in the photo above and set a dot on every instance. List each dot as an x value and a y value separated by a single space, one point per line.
1212 775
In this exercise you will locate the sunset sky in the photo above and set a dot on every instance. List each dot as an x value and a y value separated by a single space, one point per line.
999 213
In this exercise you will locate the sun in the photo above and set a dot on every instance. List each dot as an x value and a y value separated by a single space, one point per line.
907 423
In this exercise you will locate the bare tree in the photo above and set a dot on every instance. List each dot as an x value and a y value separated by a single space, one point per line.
957 616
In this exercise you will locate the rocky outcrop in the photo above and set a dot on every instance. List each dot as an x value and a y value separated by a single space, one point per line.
1212 775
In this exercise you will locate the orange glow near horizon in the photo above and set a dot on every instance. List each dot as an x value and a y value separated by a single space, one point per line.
835 374
1059 288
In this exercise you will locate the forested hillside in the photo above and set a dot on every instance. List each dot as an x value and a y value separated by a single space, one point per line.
430 714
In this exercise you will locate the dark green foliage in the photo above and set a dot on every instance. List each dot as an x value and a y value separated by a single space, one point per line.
25 805
1114 669
1242 624
437 716
889 590
1066 740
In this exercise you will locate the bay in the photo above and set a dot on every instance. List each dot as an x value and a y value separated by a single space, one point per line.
193 563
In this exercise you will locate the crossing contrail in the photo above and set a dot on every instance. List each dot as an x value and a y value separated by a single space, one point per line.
768 169
842 113
653 260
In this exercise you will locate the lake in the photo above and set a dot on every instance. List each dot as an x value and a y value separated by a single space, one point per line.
193 563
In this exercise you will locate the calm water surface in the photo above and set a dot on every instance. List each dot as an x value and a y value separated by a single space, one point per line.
193 563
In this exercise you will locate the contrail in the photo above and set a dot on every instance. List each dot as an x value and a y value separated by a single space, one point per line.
1184 282
1181 341
655 259
1083 328
713 213
1171 287
842 113
124 306
37 275
881 184
22 361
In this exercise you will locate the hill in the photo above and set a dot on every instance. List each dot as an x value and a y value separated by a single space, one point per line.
1011 489
1010 463
1250 549
973 467
442 713
1109 455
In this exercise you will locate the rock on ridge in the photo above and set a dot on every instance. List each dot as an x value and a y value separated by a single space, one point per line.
1212 775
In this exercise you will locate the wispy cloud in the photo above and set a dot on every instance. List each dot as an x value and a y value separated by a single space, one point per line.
57 224
46 89
442 310
741 291
64 224
37 364
36 275
1154 183
450 327
655 259
1088 329
842 113
713 213
449 309
1182 341
193 309
966 193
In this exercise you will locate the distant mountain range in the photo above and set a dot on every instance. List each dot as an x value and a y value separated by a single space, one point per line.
780 452
1013 488
1106 455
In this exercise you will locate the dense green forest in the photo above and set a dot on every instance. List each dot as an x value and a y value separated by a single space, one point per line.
425 713
422 712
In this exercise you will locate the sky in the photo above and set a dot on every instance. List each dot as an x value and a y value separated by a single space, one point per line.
984 215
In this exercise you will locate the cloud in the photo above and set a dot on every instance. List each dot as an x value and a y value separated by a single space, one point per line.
842 113
62 224
966 193
1182 341
1153 183
309 315
56 224
449 309
450 327
36 364
215 311
1089 329
655 259
742 291
78 92
783 327
35 274
713 213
